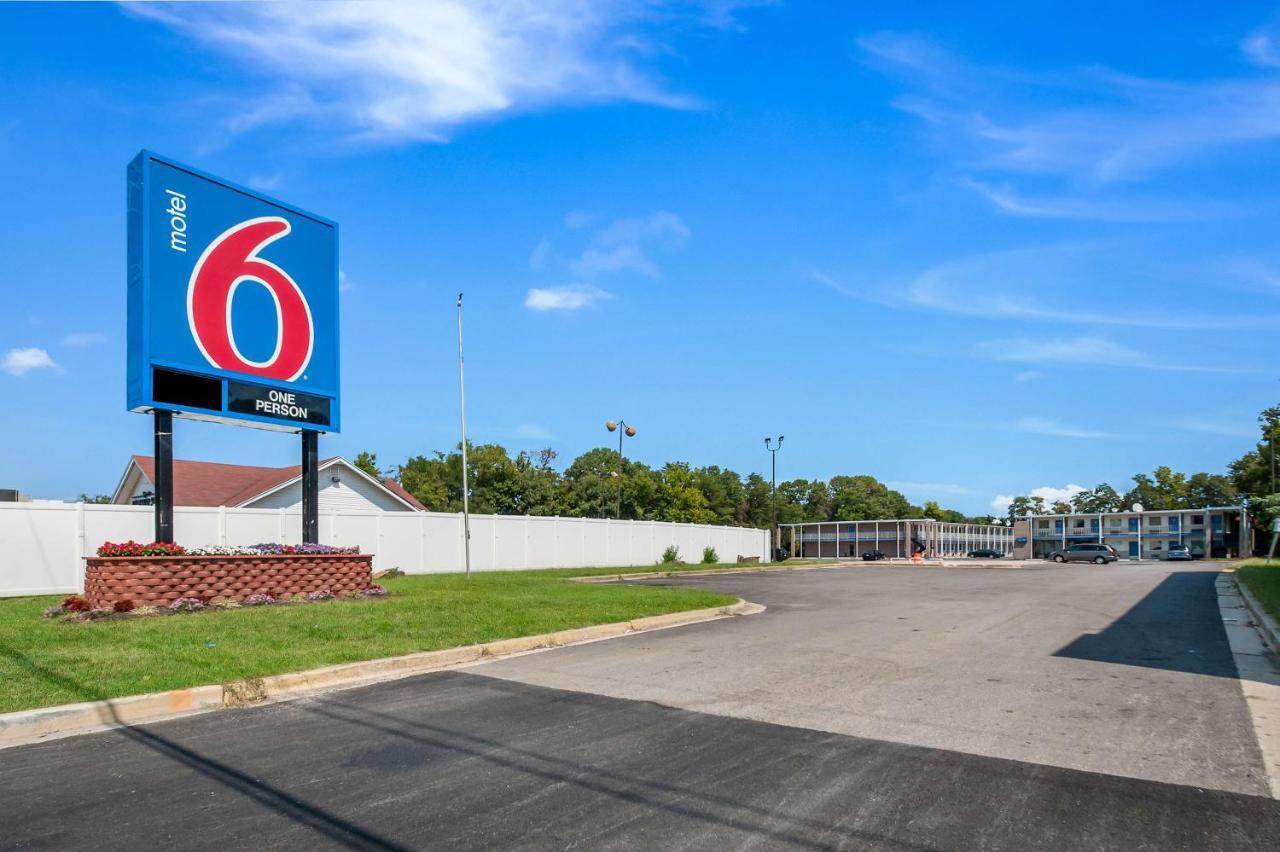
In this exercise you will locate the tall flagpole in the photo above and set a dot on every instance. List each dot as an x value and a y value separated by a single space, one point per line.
462 406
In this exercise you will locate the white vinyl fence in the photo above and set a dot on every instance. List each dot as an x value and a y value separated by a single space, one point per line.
42 545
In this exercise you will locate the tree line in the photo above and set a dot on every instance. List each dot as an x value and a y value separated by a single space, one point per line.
1249 480
529 484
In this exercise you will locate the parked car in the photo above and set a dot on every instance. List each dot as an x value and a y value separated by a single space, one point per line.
985 553
1099 553
873 555
1178 553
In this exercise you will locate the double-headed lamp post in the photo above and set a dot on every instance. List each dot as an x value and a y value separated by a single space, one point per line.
623 430
773 487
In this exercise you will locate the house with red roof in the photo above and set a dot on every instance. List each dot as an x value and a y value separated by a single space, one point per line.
343 486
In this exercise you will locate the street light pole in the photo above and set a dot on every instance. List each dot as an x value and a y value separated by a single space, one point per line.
462 408
621 427
773 488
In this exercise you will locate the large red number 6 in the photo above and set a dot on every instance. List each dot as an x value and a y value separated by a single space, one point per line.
229 260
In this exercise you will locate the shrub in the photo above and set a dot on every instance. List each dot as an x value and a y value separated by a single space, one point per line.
186 605
161 548
123 606
260 599
274 549
709 556
322 595
75 603
133 548
671 555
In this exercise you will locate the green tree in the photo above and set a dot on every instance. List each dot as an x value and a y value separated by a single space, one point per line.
433 482
99 498
1251 474
1060 507
368 462
536 486
682 500
724 492
859 498
1210 489
1104 498
757 508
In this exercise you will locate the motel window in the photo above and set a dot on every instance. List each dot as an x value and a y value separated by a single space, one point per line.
1153 522
1079 523
1043 525
1198 520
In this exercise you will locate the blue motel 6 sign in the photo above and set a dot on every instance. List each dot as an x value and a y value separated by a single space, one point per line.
233 302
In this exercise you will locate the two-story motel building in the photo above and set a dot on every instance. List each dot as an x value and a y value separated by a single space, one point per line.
1216 532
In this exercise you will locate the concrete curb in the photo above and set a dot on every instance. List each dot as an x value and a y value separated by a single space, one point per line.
713 572
29 726
1267 625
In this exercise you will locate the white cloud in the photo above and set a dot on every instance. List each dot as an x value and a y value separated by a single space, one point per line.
1079 132
538 257
1105 209
1068 350
626 244
1048 493
1261 49
81 339
1029 283
1048 426
19 362
264 182
395 71
569 298
535 432
345 284
930 489
1235 428
1089 350
1028 376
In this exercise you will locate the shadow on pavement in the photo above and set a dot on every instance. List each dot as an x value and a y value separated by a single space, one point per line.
340 831
1176 627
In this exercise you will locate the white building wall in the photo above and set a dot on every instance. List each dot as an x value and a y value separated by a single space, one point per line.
349 493
42 546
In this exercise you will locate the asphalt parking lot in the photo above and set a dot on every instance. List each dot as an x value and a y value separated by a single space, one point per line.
879 707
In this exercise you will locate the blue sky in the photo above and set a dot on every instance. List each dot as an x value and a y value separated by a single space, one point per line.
971 253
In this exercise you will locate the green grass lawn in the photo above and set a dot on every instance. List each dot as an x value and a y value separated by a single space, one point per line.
45 662
1264 581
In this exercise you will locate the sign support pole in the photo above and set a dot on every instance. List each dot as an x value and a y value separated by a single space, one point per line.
164 475
310 487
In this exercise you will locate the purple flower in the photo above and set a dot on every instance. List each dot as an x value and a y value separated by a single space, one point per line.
186 605
375 592
260 599
322 595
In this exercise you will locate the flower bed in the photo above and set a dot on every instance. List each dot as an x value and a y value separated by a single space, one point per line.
136 575
77 608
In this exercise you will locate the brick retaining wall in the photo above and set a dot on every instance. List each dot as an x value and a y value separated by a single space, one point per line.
160 580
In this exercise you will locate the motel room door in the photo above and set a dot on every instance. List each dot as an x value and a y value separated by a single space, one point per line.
1133 550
